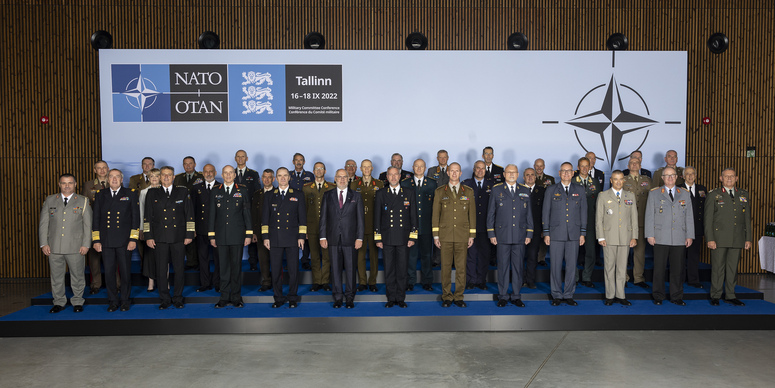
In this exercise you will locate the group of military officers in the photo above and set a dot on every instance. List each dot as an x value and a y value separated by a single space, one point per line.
473 223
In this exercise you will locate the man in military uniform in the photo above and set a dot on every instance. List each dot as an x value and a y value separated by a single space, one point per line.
313 194
670 229
479 255
542 179
367 186
284 229
637 155
592 188
200 198
351 167
439 172
492 171
728 229
90 189
142 180
536 240
596 174
395 230
422 249
698 193
617 231
64 235
510 228
229 230
189 178
168 227
248 178
671 159
564 221
397 161
300 177
116 228
267 180
638 185
454 229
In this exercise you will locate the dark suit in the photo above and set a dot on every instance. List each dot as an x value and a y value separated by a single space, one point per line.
395 224
116 223
599 177
299 179
169 220
495 173
257 212
341 227
90 189
592 187
404 174
531 254
692 268
284 223
423 247
510 221
478 262
200 198
192 259
564 221
229 225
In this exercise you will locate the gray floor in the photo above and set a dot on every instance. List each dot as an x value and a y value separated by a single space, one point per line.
534 359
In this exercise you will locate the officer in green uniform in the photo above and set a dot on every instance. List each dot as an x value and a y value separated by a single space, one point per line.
671 159
368 187
639 185
313 193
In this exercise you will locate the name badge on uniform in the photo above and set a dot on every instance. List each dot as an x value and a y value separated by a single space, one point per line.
179 201
443 198
523 195
219 196
306 178
720 202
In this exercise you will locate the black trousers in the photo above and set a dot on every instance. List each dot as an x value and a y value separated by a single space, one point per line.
478 262
531 258
395 258
292 257
192 259
203 249
231 272
674 254
167 253
112 258
343 257
691 273
422 250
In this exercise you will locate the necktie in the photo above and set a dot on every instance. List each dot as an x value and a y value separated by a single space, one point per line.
103 182
444 170
146 180
319 186
419 182
341 199
168 191
512 189
65 201
670 192
454 190
282 194
114 193
732 194
566 191
480 184
240 176
209 186
188 177
228 191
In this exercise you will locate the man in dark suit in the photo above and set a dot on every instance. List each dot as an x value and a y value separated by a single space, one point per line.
698 193
257 211
168 227
479 254
116 226
341 232
395 230
248 179
397 161
90 190
492 171
229 231
189 178
564 221
637 155
200 197
284 229
423 188
536 240
589 255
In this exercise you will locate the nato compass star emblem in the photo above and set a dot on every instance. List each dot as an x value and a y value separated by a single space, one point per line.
612 111
141 93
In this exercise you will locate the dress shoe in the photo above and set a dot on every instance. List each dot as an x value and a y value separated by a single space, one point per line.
203 288
349 304
402 304
531 286
56 309
277 305
410 287
125 306
265 288
293 305
338 304
735 301
361 287
608 302
306 266
588 284
679 302
714 302
315 287
469 286
238 305
427 287
178 305
518 303
571 302
446 303
77 309
642 285
624 302
373 288
436 264
326 287
165 305
93 291
502 303
112 308
217 289
460 303
149 290
556 302
482 286
542 263
696 285
253 267
658 302
221 304
390 304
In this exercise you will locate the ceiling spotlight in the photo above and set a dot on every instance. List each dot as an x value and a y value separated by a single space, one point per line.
617 42
517 41
101 40
209 40
718 43
314 40
416 41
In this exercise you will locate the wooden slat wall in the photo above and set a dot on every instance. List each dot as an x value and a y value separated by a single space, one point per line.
50 69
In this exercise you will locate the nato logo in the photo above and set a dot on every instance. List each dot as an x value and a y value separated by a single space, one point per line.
140 93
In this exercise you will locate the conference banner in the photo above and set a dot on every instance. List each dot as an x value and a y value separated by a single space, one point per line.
337 105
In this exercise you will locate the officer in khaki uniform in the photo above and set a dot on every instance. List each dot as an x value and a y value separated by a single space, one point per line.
639 185
367 187
727 230
453 225
313 194
140 181
616 224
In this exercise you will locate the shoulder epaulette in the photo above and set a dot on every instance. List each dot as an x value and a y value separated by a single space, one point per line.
656 188
498 184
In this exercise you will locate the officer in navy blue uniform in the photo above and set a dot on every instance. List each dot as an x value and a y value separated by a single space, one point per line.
299 178
492 171
698 193
116 228
510 229
536 241
168 227
200 197
257 212
230 229
592 187
284 229
249 179
397 161
395 231
424 189
479 255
